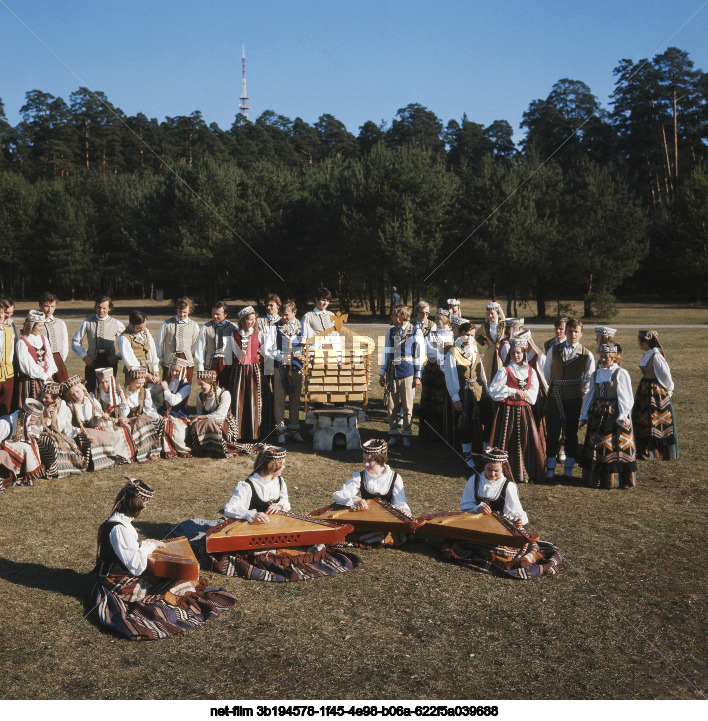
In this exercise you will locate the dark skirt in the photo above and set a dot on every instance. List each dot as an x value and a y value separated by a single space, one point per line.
433 396
247 400
654 422
514 430
208 437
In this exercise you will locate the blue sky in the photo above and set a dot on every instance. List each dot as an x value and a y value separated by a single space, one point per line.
358 61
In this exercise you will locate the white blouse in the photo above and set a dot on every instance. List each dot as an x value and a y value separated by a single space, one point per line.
213 408
267 490
452 380
435 342
132 398
661 368
28 365
351 490
124 539
491 490
499 390
625 398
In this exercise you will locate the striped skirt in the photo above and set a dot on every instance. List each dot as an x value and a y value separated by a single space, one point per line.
61 458
97 449
145 438
208 437
174 438
246 400
654 422
514 430
20 464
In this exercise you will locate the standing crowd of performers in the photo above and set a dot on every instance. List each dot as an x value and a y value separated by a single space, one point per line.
490 392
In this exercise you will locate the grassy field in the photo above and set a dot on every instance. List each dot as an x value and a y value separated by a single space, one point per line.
624 618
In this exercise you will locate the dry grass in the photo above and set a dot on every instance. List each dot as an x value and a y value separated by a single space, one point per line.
624 618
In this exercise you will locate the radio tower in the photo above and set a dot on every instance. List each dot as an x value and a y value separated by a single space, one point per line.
243 107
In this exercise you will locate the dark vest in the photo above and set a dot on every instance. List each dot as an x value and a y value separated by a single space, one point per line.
257 504
496 505
105 554
368 495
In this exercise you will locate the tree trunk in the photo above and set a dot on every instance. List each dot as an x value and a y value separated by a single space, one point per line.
540 299
372 297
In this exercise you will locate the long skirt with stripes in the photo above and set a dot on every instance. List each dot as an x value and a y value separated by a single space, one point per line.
654 422
146 438
514 430
174 437
97 449
20 464
61 457
246 400
209 437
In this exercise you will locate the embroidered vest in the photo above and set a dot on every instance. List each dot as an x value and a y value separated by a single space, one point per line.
513 382
141 350
251 357
39 355
6 368
215 340
105 553
178 338
283 342
50 332
571 370
607 390
101 336
469 372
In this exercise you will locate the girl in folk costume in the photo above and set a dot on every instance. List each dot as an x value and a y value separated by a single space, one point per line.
8 323
34 356
270 377
433 394
60 455
20 462
7 356
453 305
514 430
132 602
467 389
376 480
91 424
174 411
56 333
142 417
112 399
653 414
256 500
213 349
608 457
512 328
492 492
101 332
137 348
246 379
491 337
178 335
284 348
604 335
213 431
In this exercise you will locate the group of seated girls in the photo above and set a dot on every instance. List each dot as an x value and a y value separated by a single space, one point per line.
67 430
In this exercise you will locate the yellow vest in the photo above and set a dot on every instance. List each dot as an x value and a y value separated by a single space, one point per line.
6 369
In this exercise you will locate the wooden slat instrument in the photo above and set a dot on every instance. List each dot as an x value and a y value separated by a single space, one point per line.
492 529
284 529
379 516
175 560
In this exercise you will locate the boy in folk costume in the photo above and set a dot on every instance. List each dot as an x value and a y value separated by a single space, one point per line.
101 332
213 349
467 389
176 392
56 333
284 349
7 355
401 371
137 348
20 462
559 333
265 323
178 335
34 357
568 371
319 318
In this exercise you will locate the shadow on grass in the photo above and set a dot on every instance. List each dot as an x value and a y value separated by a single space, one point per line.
66 581
154 530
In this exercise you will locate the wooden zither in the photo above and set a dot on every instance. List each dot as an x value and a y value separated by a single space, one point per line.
379 516
175 560
284 529
492 529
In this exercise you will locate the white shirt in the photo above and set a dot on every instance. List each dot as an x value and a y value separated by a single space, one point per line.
87 410
268 491
213 409
499 390
351 490
271 345
125 351
246 337
106 399
452 379
323 316
625 398
63 421
124 539
586 380
173 396
60 333
200 348
661 368
434 343
133 401
27 364
81 332
491 490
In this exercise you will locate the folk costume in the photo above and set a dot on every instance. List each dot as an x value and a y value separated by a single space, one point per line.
653 414
290 563
101 335
213 350
246 380
512 328
608 457
491 337
315 321
143 419
264 323
59 453
135 604
531 561
56 333
91 423
214 434
285 339
174 412
514 428
139 350
433 394
34 358
7 369
568 371
20 462
116 408
466 383
401 362
177 337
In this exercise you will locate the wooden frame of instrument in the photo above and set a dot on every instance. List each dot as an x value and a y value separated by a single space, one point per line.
175 560
380 516
492 529
284 529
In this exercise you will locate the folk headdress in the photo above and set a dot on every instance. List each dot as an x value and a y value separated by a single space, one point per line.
453 303
443 312
521 340
133 488
514 325
107 373
70 382
29 414
375 446
208 375
267 454
181 363
647 335
51 387
36 316
605 331
246 311
495 455
609 348
136 372
495 306
456 320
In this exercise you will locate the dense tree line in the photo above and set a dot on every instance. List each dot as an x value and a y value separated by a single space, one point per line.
593 202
